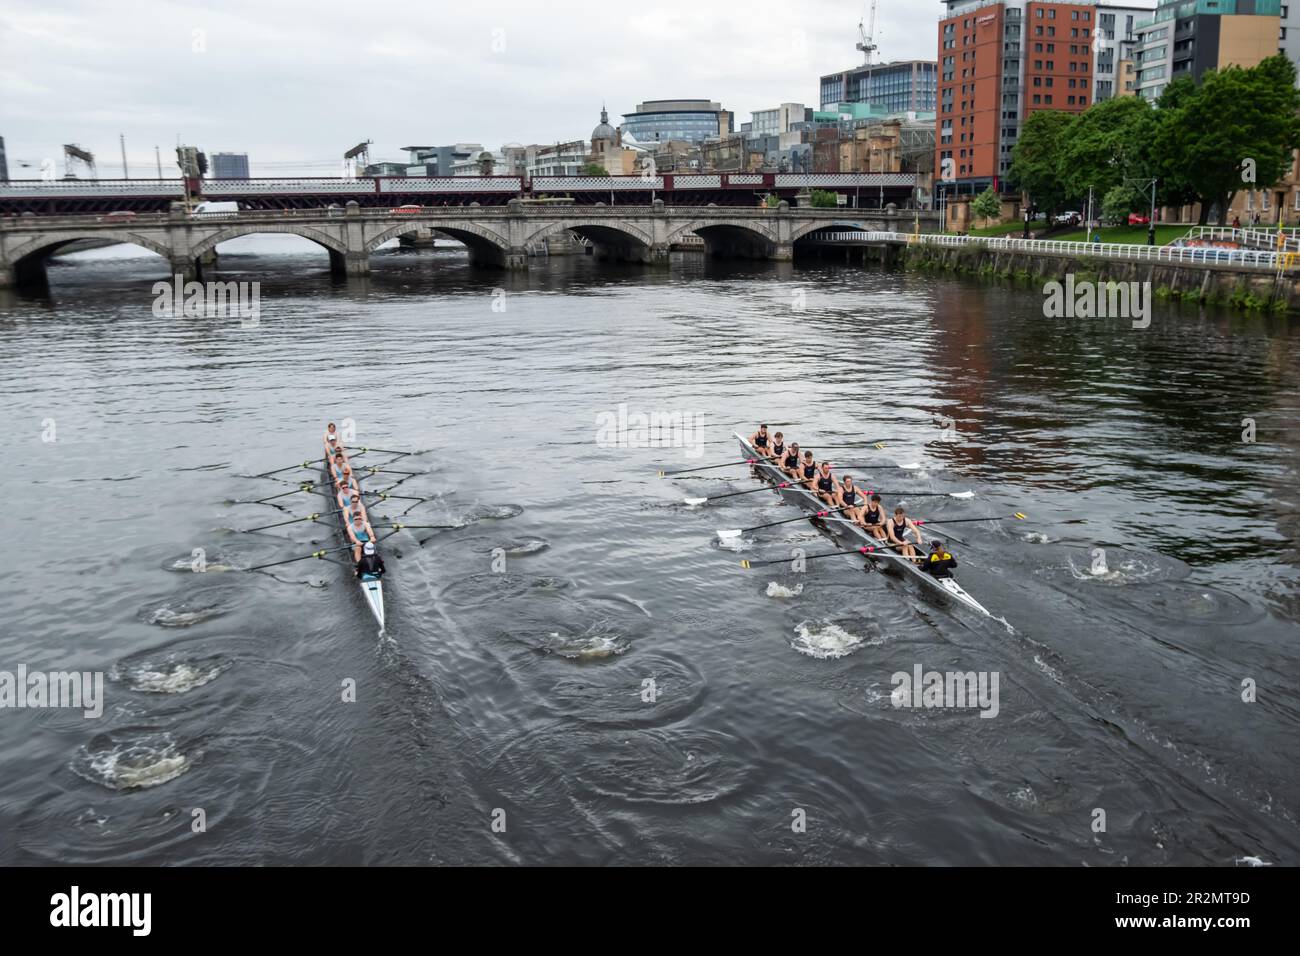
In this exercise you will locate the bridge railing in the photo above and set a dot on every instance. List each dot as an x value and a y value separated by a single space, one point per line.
1241 258
452 213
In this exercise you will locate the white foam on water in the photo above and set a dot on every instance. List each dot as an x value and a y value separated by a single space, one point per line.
826 641
775 589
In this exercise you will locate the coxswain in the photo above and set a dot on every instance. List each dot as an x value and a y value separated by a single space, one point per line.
896 530
940 561
371 564
759 440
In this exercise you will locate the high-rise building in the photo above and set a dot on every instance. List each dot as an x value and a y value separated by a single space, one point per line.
229 166
1190 37
899 87
1001 61
4 165
1115 25
690 121
1289 35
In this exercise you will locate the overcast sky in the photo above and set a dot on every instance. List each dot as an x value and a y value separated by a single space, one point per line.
294 84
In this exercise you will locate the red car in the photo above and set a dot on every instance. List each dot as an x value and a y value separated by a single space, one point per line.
407 210
1137 219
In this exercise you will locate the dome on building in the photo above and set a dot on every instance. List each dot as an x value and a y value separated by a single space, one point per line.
604 130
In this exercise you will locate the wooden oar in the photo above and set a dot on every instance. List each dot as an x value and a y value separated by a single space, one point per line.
918 523
752 491
314 554
866 552
730 464
926 494
281 524
1018 516
727 533
305 487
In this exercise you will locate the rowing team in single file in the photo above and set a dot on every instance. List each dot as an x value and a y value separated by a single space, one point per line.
901 533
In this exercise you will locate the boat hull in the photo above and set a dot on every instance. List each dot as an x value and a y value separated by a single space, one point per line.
943 587
372 589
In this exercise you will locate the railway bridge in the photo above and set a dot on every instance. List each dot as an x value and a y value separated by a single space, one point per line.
498 236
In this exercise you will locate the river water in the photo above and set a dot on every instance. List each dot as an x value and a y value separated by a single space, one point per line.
576 670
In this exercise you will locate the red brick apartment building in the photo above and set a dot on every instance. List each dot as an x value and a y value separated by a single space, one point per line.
998 63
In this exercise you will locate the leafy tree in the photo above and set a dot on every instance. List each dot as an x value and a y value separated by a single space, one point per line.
1034 162
824 199
1119 201
1239 123
594 169
987 205
1108 144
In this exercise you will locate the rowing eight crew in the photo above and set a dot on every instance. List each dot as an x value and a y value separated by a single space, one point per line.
843 495
347 498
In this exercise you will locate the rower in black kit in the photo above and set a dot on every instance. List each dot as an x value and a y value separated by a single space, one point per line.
371 564
940 562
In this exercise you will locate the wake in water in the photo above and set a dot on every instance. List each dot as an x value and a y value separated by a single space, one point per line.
131 760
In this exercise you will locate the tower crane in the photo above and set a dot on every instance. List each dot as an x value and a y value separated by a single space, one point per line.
866 36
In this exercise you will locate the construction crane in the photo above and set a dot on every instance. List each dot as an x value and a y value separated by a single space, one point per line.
358 155
866 37
73 156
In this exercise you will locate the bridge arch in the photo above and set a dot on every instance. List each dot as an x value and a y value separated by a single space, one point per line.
466 232
731 237
632 232
49 244
839 225
613 239
204 246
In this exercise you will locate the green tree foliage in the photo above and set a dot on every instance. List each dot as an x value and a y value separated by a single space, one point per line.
986 205
1238 123
1119 201
1035 166
824 199
594 169
1107 146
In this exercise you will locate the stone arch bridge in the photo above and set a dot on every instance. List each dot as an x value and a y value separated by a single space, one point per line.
495 235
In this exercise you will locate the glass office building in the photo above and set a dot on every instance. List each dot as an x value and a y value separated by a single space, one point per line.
229 166
900 87
691 120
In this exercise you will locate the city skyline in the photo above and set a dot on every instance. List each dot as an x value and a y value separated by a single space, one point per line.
339 79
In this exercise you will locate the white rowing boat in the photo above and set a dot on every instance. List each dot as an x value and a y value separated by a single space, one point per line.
372 588
945 587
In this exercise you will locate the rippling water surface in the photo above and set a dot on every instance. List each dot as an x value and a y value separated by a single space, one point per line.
578 659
